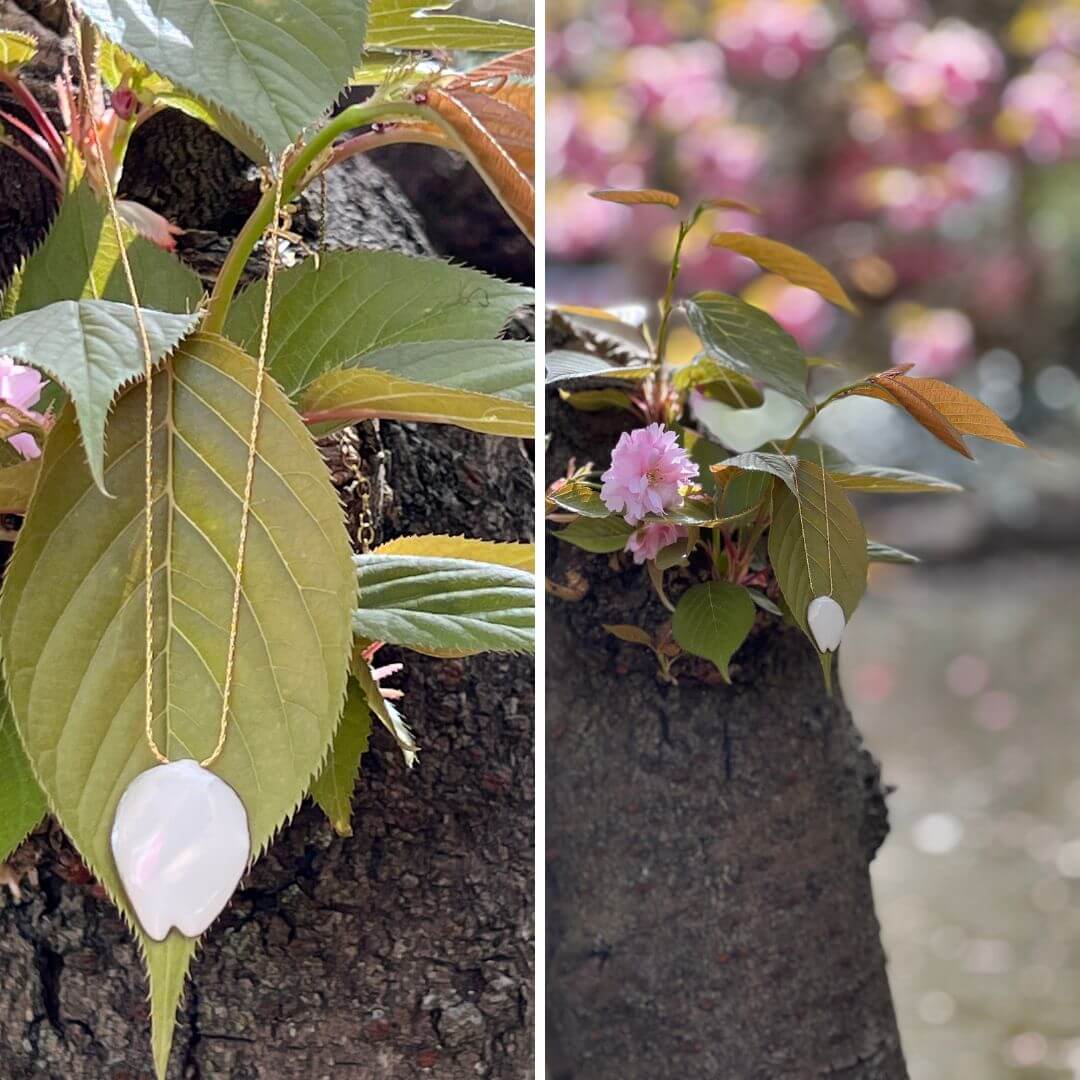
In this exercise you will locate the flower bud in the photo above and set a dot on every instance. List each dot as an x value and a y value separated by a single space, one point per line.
826 619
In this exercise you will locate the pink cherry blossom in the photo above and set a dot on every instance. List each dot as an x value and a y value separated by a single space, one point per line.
649 540
938 341
21 387
647 468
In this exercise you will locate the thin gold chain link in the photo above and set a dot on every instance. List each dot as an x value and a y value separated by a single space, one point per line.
148 356
365 533
249 478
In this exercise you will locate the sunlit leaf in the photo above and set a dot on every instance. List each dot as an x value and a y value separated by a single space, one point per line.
597 400
598 535
748 341
72 618
333 788
350 303
730 204
520 556
16 49
418 24
444 607
579 497
481 132
944 410
276 70
92 348
500 368
22 802
881 479
887 554
348 395
637 197
787 262
566 365
718 382
79 259
712 620
817 544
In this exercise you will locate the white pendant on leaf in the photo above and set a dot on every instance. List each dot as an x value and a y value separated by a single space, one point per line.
181 842
826 619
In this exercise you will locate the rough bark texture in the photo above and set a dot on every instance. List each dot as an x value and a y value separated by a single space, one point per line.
709 905
403 951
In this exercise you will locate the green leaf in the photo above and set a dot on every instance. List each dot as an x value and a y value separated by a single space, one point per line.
763 602
277 68
885 553
712 620
749 341
782 466
348 395
72 615
444 607
788 262
22 802
354 302
597 400
499 368
566 365
388 716
409 24
92 349
79 259
718 382
598 535
521 556
580 498
117 66
743 494
16 49
17 485
878 478
817 544
627 632
333 788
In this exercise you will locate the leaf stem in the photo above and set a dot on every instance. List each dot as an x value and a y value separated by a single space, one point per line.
294 180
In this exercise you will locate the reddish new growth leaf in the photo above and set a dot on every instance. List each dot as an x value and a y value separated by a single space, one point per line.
637 197
945 411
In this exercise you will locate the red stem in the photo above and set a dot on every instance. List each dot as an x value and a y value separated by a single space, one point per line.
36 139
36 162
40 117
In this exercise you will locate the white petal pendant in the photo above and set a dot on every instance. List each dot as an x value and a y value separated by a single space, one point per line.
181 842
826 619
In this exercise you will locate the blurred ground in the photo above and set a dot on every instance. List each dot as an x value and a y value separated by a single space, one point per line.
964 675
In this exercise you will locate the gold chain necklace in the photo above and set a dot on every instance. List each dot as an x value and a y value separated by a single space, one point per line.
180 837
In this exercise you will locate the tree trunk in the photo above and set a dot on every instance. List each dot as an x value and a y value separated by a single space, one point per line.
403 951
709 904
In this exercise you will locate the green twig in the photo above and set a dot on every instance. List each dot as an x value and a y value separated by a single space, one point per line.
294 180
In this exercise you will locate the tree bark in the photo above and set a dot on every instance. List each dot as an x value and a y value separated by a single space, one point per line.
709 910
403 951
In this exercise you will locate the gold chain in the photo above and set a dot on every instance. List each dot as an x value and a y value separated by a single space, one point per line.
148 355
249 478
365 533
